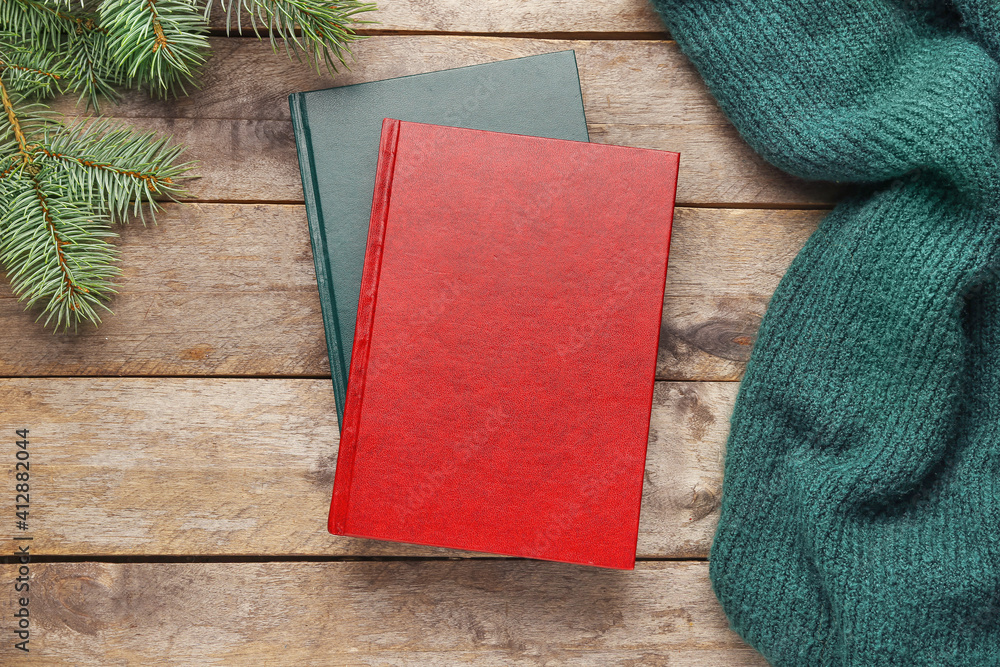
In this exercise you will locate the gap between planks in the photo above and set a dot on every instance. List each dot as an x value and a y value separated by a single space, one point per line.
763 206
183 275
305 558
264 33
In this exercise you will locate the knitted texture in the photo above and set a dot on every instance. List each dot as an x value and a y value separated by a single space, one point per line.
860 518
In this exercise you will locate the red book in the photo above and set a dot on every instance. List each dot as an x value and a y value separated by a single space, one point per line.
501 380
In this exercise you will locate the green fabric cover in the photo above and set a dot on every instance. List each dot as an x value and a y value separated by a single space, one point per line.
860 518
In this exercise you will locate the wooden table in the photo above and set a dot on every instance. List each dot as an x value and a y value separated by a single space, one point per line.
183 453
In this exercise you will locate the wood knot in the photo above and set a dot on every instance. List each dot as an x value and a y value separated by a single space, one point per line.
705 500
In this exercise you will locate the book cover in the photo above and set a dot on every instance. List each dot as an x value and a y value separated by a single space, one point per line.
502 372
337 137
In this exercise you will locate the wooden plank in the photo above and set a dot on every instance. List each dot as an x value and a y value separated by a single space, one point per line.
146 466
375 613
229 289
255 160
643 81
636 93
718 168
504 16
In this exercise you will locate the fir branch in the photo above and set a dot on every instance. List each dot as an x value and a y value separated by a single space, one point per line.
55 250
13 122
19 121
41 25
60 188
75 47
94 73
120 168
161 43
30 73
324 29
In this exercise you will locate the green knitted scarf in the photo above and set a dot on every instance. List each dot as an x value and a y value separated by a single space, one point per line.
860 519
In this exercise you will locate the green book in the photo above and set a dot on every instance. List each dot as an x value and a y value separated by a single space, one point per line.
337 133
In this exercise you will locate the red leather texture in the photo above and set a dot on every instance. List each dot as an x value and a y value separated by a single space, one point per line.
502 373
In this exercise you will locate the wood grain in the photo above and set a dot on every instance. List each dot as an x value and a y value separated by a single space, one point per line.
636 93
255 160
229 289
504 16
145 466
645 81
376 613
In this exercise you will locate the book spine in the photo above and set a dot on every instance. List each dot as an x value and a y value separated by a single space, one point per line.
339 506
583 113
317 237
671 176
